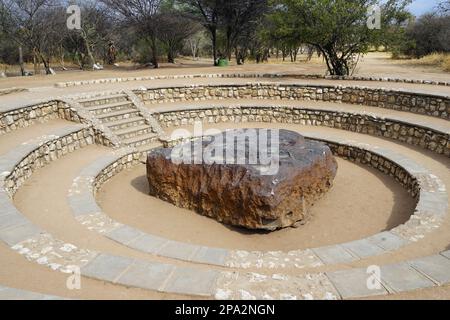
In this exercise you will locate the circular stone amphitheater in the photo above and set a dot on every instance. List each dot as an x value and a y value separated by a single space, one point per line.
75 198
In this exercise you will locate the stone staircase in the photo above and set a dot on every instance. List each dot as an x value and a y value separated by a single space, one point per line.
124 118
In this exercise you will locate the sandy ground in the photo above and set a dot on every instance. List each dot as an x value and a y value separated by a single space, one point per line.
373 64
16 272
441 293
32 132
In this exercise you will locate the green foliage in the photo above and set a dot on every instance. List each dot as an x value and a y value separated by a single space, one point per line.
336 28
146 30
430 33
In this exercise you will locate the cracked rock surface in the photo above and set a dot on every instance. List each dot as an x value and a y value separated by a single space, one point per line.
254 194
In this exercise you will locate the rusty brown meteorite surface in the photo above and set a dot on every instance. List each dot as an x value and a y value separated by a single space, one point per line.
239 194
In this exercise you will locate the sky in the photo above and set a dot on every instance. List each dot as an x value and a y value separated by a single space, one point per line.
419 7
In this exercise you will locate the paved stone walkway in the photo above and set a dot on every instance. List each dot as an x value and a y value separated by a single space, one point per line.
16 294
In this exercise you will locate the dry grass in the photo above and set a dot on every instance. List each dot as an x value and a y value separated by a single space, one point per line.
441 60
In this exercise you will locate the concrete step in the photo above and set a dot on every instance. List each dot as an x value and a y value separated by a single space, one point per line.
126 123
102 100
134 131
141 140
118 115
113 107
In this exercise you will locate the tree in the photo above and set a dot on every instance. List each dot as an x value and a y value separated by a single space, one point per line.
143 16
395 20
194 43
444 6
430 33
280 31
239 18
174 29
207 13
337 28
29 24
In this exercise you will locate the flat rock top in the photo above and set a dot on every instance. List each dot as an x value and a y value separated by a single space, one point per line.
255 150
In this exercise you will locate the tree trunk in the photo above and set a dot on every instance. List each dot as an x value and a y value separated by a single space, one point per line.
62 60
170 56
78 60
46 63
228 49
284 53
214 45
46 66
22 67
35 62
336 66
194 45
154 52
88 50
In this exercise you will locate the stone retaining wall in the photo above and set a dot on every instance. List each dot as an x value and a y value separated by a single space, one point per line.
425 137
27 115
382 164
43 151
248 75
123 162
431 105
49 110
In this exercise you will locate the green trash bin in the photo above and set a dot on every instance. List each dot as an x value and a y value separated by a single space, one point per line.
223 63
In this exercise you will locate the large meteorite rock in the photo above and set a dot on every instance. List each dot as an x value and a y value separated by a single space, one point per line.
244 195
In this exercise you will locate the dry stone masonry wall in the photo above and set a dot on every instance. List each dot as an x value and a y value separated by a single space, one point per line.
420 135
28 115
42 151
431 105
53 109
250 76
